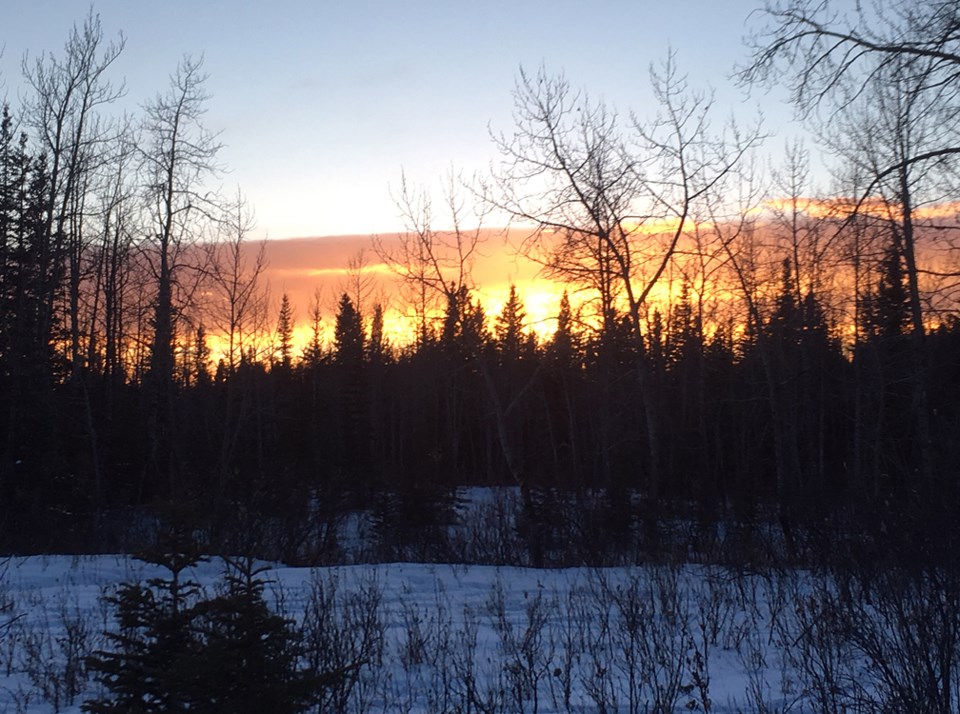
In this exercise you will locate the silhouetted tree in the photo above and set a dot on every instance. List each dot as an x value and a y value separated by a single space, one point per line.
889 83
377 346
251 657
348 356
313 352
66 93
179 155
509 327
348 334
589 188
179 650
156 654
285 323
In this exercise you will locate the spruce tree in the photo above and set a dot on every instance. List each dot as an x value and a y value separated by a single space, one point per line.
285 332
890 313
350 375
509 326
201 357
251 654
177 650
156 653
377 347
348 333
563 346
313 353
464 327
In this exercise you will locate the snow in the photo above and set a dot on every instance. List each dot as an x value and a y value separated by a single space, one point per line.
517 639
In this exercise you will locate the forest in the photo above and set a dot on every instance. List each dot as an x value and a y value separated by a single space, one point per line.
737 365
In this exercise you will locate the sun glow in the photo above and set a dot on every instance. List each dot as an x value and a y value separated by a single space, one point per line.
315 272
317 269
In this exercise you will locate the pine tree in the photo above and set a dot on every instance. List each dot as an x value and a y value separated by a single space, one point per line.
377 347
285 332
685 340
8 220
156 653
11 168
508 328
313 354
201 357
464 326
177 650
889 315
348 333
251 654
784 323
564 346
353 409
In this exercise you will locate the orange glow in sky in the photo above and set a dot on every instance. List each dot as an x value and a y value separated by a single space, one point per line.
311 269
305 267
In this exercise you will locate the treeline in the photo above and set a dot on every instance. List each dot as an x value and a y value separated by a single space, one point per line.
804 373
297 441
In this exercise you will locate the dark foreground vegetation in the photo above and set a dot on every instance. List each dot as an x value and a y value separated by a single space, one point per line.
235 636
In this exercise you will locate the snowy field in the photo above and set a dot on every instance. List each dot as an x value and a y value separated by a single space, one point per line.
437 638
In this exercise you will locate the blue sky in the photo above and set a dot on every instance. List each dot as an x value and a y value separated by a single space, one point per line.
321 104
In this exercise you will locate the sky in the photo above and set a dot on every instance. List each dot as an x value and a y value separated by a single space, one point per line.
322 104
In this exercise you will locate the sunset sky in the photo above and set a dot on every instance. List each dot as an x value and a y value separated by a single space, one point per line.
321 105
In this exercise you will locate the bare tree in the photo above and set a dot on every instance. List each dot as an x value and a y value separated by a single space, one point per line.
818 50
237 310
238 301
358 281
882 75
433 264
610 206
752 262
179 158
66 94
313 353
113 266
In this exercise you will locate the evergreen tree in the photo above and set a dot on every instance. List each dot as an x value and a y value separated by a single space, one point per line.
784 323
889 313
464 326
8 222
377 347
177 650
313 353
354 429
201 357
285 332
348 333
685 340
451 317
156 653
509 325
563 345
251 655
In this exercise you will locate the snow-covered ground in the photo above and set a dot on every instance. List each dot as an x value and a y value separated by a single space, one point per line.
452 638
